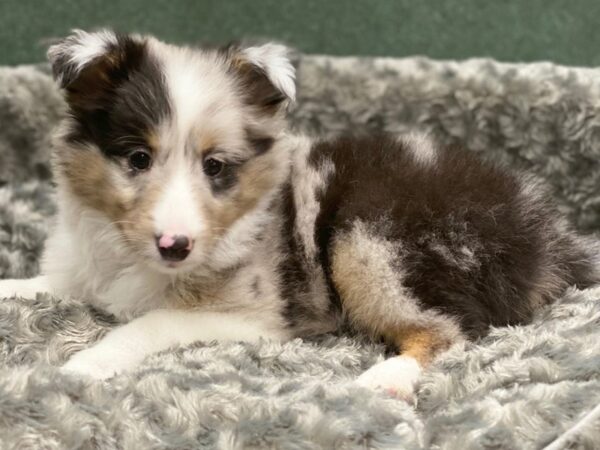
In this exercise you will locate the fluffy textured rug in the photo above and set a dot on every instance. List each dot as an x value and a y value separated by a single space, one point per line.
520 387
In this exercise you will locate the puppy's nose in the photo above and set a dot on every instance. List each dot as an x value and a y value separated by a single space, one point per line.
174 247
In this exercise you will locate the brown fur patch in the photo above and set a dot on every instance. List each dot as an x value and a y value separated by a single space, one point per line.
89 178
478 245
206 142
102 185
97 80
91 86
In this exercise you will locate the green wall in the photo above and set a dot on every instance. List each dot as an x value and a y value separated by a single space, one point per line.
510 30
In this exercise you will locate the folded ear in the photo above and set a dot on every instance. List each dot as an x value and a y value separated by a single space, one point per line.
267 75
90 65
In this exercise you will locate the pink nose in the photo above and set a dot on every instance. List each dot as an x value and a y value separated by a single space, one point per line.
174 247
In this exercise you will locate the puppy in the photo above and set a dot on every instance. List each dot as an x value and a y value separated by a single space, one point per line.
189 210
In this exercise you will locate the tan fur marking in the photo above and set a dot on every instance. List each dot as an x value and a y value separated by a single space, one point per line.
370 288
366 275
206 142
153 140
255 179
420 343
137 222
103 186
90 179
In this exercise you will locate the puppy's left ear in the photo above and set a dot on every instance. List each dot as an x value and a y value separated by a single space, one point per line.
267 75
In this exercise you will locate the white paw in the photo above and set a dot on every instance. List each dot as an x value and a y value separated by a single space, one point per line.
95 363
11 288
25 288
397 376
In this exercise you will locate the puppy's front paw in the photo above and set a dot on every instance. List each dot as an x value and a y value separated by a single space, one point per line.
94 363
26 288
397 376
13 288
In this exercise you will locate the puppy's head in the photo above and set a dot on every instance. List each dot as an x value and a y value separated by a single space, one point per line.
176 147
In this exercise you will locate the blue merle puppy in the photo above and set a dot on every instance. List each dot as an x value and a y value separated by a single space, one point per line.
188 209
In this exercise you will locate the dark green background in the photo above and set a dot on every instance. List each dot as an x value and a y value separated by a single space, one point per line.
563 31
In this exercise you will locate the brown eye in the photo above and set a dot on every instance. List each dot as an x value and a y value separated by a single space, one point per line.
212 167
140 160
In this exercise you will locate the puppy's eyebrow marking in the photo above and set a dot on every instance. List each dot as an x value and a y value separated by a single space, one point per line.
152 140
201 144
208 151
231 156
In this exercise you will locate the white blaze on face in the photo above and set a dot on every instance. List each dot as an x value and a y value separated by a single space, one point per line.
192 84
177 211
202 95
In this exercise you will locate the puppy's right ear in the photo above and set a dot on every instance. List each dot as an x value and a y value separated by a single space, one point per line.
90 65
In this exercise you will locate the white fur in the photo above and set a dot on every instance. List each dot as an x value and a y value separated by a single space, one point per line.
397 376
85 258
24 288
176 213
125 347
273 59
82 47
421 148
203 99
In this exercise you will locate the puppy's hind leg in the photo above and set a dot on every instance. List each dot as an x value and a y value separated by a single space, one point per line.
367 273
25 288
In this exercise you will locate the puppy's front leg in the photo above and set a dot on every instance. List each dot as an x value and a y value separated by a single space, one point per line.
26 288
125 347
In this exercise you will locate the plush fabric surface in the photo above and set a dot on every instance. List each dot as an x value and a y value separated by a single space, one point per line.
520 387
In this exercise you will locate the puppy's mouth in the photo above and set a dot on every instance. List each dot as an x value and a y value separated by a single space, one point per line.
170 267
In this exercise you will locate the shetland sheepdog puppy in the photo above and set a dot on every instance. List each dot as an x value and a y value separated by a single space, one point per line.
190 211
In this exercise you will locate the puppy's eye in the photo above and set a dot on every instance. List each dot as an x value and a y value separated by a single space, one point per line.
140 160
212 167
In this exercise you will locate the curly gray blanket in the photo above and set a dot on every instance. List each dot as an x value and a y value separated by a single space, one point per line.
521 387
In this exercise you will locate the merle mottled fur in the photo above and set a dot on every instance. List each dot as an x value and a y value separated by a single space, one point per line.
281 394
473 242
403 238
294 269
